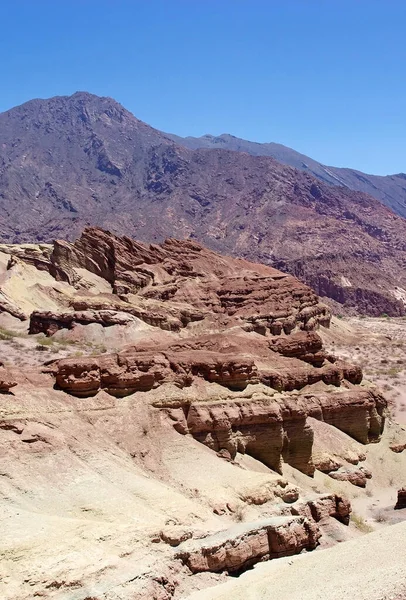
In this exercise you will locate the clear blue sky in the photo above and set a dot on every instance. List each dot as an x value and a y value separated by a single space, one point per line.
327 78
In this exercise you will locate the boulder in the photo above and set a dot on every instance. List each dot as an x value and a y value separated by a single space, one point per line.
356 475
175 535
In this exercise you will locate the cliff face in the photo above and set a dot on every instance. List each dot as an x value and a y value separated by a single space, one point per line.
170 450
69 162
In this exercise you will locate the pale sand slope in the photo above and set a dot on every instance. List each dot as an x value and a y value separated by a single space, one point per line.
372 567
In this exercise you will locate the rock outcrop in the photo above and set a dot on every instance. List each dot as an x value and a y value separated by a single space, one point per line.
272 429
124 374
244 545
264 337
401 501
49 323
172 285
269 425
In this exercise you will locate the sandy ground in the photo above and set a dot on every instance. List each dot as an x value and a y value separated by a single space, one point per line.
378 345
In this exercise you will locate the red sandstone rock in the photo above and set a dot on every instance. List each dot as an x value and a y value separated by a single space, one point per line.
398 448
126 373
243 545
185 272
175 535
357 475
50 322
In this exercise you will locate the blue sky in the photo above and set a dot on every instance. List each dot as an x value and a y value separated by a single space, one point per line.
327 78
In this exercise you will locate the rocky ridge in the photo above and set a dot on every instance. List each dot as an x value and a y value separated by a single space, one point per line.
388 189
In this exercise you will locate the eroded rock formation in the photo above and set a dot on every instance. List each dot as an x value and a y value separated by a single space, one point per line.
246 544
179 436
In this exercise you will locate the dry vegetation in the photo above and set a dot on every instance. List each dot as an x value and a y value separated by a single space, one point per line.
24 350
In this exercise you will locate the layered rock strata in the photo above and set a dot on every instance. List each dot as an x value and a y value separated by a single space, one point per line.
270 426
246 544
179 282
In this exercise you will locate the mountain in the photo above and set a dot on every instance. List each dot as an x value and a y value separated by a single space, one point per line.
68 162
389 189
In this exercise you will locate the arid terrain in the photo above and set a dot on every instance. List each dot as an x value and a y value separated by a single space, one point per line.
378 346
70 162
175 423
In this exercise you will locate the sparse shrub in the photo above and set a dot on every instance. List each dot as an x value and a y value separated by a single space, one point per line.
65 342
46 341
360 523
381 517
7 334
239 513
393 372
41 348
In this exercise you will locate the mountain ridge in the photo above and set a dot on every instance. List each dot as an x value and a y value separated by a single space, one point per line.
388 189
70 162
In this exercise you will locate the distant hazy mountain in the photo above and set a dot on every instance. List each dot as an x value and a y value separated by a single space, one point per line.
68 162
390 189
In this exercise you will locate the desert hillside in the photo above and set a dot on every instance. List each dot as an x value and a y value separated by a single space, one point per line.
171 417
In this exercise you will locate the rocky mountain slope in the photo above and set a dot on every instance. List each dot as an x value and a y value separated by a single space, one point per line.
388 189
72 161
169 417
